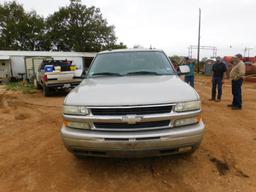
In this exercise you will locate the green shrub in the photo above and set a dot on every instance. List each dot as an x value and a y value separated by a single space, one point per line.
24 87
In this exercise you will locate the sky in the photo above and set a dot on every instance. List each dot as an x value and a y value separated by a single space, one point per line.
172 25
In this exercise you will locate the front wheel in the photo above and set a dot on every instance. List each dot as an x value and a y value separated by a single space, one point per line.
80 156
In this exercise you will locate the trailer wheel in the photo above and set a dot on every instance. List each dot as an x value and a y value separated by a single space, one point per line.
36 84
46 91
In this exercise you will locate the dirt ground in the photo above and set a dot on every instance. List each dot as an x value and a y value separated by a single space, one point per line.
33 158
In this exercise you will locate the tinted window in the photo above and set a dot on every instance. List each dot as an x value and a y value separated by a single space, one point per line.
124 63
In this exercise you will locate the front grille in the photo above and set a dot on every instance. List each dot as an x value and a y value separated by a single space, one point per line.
140 125
132 110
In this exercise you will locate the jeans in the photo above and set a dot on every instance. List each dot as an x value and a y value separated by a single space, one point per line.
237 92
190 80
216 81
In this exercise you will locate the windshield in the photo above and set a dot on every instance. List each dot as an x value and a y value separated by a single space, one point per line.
131 63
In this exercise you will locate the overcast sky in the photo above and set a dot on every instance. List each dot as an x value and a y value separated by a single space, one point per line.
172 25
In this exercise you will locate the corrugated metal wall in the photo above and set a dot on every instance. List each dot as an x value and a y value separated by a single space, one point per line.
32 65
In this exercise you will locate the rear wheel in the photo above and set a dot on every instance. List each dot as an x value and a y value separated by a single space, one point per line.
46 91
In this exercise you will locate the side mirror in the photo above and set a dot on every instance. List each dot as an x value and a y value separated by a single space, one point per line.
84 74
184 69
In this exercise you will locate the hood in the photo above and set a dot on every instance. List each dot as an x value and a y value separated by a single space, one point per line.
131 90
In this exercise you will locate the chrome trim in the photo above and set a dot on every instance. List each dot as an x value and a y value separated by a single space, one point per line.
93 128
131 106
91 119
119 119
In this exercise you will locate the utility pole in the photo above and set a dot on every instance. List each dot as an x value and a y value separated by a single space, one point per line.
249 49
199 38
245 51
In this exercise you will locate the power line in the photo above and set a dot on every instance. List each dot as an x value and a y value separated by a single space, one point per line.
211 48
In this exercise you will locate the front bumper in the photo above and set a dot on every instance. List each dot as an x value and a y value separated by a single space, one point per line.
129 144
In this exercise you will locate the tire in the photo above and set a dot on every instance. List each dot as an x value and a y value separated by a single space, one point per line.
46 91
36 84
80 155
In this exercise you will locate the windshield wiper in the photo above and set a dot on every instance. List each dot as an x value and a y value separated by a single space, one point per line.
106 74
143 73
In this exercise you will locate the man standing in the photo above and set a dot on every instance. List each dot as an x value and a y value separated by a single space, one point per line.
218 70
189 78
237 73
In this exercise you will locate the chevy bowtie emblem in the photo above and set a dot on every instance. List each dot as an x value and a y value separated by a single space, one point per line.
132 119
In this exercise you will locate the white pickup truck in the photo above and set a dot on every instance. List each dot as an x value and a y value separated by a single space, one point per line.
54 75
132 103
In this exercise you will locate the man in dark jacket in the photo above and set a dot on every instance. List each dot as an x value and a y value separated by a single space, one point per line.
218 69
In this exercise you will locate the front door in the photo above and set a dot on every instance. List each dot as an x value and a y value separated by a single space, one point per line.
5 71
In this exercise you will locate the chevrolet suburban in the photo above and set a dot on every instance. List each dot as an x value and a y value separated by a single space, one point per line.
132 103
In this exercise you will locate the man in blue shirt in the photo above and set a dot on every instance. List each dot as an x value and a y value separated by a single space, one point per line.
190 77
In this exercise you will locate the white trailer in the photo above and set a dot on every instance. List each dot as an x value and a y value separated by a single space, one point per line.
19 64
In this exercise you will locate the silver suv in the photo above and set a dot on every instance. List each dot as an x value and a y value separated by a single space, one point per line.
132 103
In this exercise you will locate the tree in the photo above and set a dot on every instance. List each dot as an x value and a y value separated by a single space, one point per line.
121 45
72 28
20 30
177 59
80 28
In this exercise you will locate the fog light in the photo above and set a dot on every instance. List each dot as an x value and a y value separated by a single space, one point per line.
188 121
78 125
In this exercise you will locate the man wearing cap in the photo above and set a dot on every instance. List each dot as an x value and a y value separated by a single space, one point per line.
218 70
237 73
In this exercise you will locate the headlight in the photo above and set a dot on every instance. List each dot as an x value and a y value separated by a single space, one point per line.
188 106
187 121
75 110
